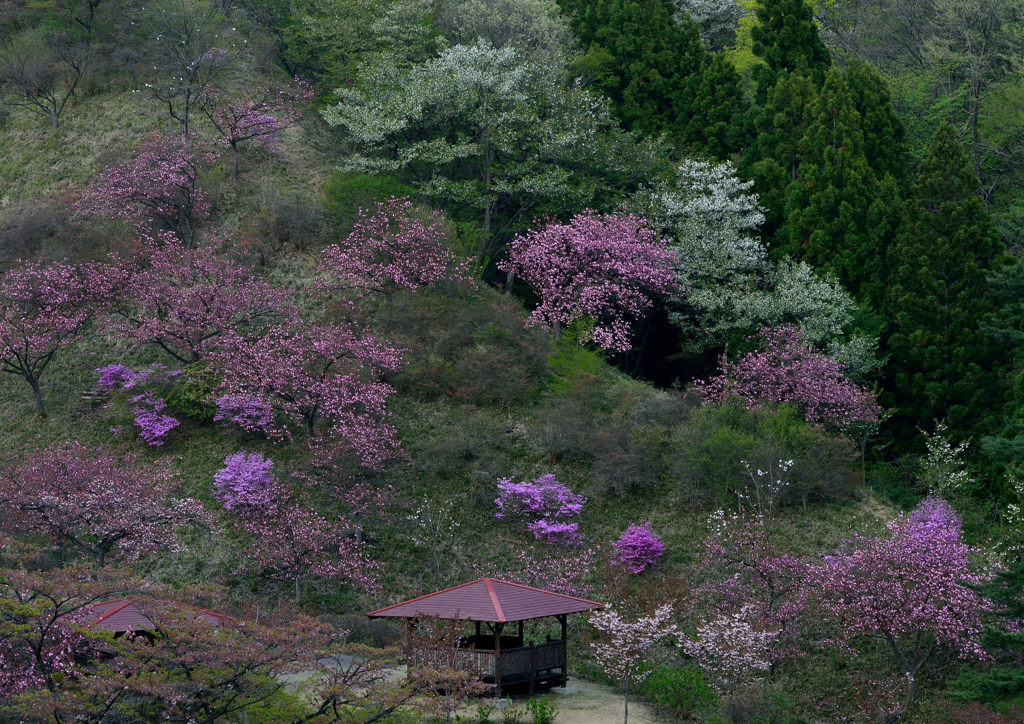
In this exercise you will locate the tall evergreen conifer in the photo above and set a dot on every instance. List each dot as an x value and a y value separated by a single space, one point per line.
941 358
652 68
786 38
836 193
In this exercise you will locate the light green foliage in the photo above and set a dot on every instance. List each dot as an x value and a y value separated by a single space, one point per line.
679 690
486 133
543 710
535 28
332 38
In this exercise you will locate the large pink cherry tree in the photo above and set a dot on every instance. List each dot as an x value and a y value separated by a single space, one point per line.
320 378
96 501
603 267
396 247
184 300
43 308
912 588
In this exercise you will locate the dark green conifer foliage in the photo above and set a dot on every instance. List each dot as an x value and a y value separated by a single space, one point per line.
648 64
773 160
836 193
1005 681
718 125
884 134
941 359
787 39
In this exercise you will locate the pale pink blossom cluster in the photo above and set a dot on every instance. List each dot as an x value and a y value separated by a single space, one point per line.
605 267
733 646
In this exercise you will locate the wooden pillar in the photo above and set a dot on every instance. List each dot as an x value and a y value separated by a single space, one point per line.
522 641
476 639
563 619
497 657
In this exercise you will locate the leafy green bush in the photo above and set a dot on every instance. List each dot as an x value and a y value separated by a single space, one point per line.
543 711
192 396
679 690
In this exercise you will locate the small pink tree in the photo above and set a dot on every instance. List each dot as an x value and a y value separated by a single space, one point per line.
602 266
398 247
785 370
161 183
97 501
638 548
260 117
43 308
911 588
625 646
184 300
310 373
291 540
748 572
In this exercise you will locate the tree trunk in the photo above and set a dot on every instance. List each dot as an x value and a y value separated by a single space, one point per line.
298 590
625 698
38 395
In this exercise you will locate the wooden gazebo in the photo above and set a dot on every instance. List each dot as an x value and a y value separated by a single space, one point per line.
505 659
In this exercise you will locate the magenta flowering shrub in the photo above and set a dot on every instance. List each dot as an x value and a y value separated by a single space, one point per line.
153 424
548 502
638 548
545 497
788 371
147 407
249 412
246 481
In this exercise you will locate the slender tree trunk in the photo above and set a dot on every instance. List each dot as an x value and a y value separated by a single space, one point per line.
38 395
625 698
298 590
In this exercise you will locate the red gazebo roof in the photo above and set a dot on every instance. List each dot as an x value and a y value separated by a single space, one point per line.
123 616
490 600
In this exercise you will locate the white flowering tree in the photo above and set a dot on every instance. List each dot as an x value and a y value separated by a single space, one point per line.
729 286
487 133
943 469
536 28
625 646
733 647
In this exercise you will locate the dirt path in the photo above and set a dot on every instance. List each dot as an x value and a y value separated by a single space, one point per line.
592 703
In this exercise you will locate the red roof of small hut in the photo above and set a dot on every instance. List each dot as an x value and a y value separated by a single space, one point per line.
490 600
123 616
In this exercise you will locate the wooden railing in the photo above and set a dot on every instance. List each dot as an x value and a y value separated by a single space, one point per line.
527 660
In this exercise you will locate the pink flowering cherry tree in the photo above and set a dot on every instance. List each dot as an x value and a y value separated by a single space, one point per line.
911 588
396 247
638 548
291 540
604 267
312 373
183 300
43 308
624 646
749 573
786 370
161 183
260 117
97 501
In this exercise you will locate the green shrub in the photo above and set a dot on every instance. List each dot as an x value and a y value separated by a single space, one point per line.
192 396
679 690
543 711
